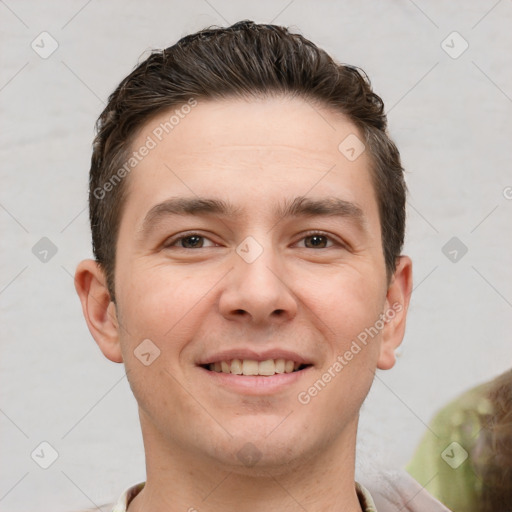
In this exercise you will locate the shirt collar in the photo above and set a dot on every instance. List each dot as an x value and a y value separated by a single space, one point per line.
365 499
125 499
127 496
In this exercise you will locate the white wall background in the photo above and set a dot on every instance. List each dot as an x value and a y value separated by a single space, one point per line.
451 118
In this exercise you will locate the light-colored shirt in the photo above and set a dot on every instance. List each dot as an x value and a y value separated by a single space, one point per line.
124 500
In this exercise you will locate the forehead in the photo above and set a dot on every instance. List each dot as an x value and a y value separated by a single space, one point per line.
268 147
260 124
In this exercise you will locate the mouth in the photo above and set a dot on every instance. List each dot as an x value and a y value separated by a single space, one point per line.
252 367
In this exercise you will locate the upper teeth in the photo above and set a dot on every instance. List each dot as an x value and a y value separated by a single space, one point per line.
252 367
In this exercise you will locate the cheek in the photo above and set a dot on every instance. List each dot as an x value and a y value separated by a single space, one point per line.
157 299
347 301
160 397
166 306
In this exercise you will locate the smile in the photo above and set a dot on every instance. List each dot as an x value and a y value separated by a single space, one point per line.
251 367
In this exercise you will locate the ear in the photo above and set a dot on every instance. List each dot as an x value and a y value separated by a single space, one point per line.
98 309
397 304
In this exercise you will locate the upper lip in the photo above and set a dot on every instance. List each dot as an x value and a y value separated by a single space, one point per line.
244 353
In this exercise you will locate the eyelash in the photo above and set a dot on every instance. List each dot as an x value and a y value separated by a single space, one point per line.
170 243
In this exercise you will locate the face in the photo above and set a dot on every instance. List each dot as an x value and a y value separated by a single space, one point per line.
249 266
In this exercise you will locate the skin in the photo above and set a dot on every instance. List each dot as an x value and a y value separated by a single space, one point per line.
311 299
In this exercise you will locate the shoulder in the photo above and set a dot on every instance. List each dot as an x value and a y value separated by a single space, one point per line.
396 490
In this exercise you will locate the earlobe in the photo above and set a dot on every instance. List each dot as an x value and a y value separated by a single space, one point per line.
98 309
397 304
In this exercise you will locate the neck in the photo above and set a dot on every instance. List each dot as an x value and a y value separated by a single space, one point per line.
178 480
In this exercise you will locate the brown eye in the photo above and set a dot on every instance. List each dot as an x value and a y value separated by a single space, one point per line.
192 242
316 241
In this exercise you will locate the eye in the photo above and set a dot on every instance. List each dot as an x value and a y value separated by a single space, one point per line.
317 240
190 241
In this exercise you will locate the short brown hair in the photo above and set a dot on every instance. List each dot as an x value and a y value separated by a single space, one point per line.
243 60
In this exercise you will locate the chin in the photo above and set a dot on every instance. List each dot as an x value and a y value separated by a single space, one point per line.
263 451
255 462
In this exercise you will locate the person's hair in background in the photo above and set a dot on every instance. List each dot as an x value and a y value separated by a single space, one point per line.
479 421
493 451
244 60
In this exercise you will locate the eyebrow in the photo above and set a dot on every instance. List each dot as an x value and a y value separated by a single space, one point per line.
298 207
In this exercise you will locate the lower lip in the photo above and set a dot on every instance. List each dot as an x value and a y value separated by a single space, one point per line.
256 385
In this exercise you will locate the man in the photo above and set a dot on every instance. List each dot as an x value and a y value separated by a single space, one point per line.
247 211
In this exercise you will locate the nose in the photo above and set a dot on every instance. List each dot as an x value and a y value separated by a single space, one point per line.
257 291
